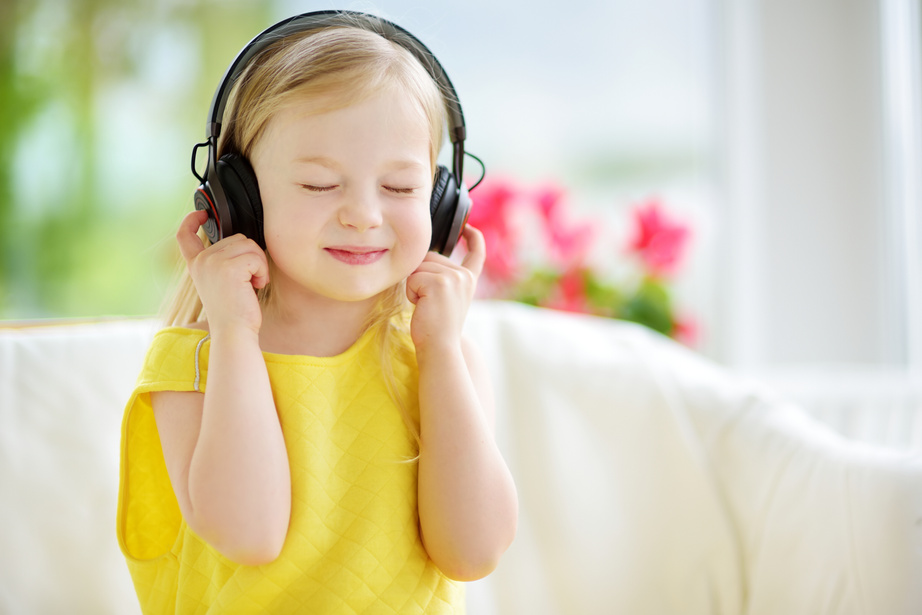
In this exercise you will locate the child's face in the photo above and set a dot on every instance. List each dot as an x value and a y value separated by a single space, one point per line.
345 196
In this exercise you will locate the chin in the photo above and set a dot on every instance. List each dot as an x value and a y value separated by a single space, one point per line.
360 295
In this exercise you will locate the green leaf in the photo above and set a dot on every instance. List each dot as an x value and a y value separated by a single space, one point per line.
606 298
650 306
538 288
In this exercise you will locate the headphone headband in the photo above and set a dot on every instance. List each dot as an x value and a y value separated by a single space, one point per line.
325 19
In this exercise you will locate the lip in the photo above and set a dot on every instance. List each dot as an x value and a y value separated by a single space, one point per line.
356 255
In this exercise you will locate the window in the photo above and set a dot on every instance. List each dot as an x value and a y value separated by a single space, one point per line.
821 167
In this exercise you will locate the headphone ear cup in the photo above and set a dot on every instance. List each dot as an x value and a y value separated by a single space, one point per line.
442 207
242 191
449 207
204 201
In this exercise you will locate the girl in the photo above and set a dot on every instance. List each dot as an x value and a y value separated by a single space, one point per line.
325 443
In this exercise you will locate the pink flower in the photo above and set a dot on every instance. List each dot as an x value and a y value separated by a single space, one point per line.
571 292
658 240
492 207
686 330
568 243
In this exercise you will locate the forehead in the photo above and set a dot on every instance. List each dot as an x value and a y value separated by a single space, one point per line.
386 121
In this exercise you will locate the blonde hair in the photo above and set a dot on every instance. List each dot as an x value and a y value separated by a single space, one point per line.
340 66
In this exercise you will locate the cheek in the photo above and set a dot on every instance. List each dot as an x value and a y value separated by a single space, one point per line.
417 233
278 202
273 228
286 236
284 212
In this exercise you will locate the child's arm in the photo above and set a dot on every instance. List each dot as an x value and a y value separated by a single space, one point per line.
468 506
224 450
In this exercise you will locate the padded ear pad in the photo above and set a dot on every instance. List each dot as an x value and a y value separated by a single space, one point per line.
442 208
243 201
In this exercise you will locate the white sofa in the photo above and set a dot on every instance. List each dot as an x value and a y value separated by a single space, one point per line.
650 480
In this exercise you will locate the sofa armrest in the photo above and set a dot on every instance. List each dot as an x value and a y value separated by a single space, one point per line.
62 391
654 481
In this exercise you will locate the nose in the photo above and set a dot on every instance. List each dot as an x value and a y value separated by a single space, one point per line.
361 211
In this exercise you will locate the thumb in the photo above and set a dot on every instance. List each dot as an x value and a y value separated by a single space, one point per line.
412 290
190 245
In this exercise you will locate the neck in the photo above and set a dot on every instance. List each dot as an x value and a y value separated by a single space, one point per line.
316 327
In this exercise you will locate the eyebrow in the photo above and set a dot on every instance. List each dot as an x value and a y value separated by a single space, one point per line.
324 161
330 163
399 165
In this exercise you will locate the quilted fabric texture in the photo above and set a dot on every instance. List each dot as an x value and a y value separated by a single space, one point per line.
353 544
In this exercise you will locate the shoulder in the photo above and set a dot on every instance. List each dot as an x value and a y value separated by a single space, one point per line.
178 362
178 340
177 357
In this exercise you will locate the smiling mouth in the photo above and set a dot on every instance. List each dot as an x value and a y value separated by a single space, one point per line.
356 255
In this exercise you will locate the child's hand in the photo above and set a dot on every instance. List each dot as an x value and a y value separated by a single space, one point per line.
225 275
442 292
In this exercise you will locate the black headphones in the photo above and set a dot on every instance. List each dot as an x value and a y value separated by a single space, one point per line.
229 191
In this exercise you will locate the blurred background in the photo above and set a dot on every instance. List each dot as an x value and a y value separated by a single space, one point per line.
784 135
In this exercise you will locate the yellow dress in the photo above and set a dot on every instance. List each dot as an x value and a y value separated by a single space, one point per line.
353 544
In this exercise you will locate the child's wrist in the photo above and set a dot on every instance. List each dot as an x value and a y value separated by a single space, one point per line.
234 334
437 348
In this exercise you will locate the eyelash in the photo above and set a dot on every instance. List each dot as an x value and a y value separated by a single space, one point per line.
391 189
400 190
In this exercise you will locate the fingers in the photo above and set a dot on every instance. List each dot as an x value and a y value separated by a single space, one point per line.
190 245
441 266
476 250
260 273
241 255
235 248
412 294
437 276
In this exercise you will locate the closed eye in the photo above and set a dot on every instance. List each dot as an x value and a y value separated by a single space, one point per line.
399 190
310 188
